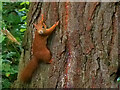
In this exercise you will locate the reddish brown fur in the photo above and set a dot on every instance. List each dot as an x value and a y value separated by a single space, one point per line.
28 70
40 50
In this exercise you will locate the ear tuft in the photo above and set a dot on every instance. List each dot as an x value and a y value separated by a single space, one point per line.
34 25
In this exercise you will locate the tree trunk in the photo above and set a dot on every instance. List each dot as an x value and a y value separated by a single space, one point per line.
84 45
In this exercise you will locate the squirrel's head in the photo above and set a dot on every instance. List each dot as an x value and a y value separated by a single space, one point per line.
40 27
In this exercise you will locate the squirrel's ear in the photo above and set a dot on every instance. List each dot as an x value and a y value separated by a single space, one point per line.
35 26
44 25
42 17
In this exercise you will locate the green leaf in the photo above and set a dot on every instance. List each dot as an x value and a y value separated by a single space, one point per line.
22 3
13 18
6 67
23 9
9 55
6 61
13 71
27 3
23 26
7 74
25 23
24 17
1 38
22 30
118 79
6 83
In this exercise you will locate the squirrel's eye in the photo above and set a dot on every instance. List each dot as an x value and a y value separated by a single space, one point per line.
40 32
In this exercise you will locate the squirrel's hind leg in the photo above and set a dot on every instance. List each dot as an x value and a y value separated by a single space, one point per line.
50 61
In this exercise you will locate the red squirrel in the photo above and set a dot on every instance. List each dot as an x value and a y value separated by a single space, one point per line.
40 50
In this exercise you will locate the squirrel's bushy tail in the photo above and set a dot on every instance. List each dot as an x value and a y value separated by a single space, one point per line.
27 72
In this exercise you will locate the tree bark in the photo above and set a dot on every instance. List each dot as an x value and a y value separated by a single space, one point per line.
84 45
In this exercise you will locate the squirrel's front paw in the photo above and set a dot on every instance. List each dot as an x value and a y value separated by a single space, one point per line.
57 22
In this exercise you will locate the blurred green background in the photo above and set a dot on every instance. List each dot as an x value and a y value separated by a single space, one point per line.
14 20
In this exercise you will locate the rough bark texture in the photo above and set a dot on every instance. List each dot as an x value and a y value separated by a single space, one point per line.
84 46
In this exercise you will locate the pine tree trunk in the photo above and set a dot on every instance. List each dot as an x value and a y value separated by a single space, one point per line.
84 46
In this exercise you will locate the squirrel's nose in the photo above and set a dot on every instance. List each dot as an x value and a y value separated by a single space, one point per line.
40 32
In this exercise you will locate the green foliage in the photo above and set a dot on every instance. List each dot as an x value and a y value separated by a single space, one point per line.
1 38
13 19
118 79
